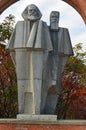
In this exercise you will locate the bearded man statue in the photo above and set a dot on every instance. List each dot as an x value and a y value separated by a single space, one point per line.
29 47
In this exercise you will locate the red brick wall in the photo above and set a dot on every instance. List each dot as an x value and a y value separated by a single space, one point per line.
4 4
80 6
40 127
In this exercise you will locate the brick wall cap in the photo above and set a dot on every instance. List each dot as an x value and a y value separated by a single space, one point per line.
58 122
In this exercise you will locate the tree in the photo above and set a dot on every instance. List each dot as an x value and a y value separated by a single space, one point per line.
79 52
8 86
6 28
72 101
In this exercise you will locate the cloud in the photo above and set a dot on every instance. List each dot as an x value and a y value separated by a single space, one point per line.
81 38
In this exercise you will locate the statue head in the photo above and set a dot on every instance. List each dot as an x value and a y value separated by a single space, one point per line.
31 13
54 20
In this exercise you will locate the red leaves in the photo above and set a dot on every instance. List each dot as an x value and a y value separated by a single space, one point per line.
8 86
74 95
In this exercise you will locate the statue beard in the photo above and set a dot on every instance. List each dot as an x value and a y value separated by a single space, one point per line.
54 25
33 17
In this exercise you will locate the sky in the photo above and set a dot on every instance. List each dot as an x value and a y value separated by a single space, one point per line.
69 17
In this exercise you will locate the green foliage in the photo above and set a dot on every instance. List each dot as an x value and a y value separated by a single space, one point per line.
77 62
8 82
76 65
6 28
79 52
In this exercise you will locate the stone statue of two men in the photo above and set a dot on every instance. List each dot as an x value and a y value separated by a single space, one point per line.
39 53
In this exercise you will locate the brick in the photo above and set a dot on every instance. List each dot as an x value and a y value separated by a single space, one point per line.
41 127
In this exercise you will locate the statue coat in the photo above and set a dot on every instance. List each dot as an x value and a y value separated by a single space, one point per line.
29 46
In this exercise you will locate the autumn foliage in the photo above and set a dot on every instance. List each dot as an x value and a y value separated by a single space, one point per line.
72 101
8 83
8 86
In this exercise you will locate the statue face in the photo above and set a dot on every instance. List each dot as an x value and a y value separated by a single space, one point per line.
54 17
54 20
32 11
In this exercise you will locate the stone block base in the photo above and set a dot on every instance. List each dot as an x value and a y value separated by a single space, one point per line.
16 124
37 118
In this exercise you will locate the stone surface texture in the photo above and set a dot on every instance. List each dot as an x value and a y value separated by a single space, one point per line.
29 46
37 117
62 50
